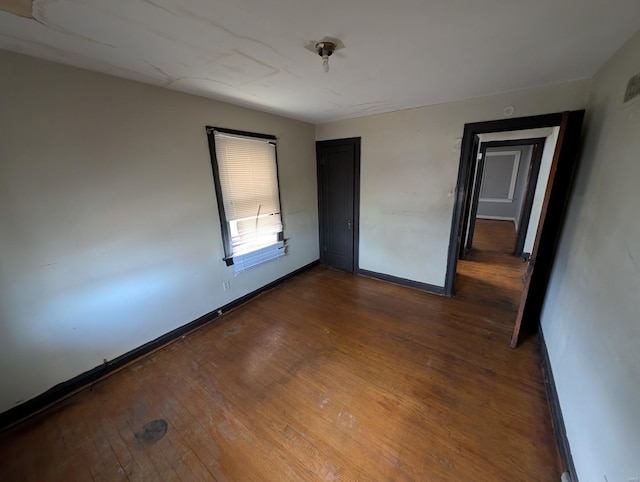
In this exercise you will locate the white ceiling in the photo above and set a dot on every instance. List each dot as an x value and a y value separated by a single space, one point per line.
398 54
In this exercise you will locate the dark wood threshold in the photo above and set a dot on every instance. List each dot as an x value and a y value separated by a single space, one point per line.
69 387
429 288
556 412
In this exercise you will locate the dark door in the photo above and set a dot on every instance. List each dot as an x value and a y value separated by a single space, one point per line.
338 182
554 206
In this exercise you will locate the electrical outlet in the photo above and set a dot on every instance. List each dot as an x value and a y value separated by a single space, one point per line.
226 286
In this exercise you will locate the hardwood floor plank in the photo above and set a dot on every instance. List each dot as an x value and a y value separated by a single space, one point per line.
178 451
220 429
186 430
117 410
329 376
495 235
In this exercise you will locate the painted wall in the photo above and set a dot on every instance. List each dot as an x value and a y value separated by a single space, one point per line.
109 229
409 168
505 210
591 319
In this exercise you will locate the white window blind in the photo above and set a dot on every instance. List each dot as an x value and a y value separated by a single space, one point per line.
248 180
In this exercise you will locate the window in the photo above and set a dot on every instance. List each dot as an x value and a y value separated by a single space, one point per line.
245 174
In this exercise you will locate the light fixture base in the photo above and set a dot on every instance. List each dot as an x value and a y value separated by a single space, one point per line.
325 48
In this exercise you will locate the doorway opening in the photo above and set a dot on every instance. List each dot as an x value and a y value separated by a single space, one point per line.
504 190
502 278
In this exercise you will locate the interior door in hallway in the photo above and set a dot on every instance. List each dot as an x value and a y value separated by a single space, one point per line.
338 195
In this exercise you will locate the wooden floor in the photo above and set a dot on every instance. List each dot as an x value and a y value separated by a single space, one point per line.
490 274
495 236
329 376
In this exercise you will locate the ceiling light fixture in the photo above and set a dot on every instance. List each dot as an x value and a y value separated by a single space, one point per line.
325 50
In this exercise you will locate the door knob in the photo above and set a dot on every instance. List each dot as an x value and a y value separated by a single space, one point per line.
349 223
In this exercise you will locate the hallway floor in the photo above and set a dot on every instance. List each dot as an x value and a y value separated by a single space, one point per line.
490 273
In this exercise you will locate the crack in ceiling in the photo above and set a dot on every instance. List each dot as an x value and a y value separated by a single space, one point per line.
408 53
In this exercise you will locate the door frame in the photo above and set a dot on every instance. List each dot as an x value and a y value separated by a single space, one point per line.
468 155
533 172
355 142
554 206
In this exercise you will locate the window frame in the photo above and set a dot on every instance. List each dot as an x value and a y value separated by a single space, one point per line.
224 222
